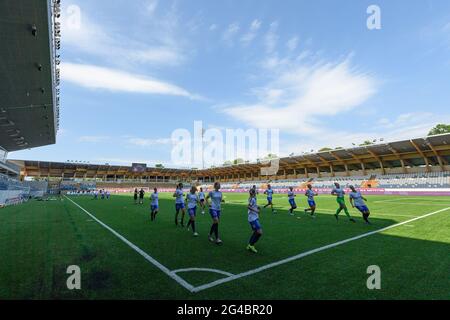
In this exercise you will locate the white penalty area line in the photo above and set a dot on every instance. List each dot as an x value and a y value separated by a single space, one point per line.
150 259
204 270
304 254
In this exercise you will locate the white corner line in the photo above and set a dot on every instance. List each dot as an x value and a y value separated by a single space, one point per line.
204 270
304 254
149 258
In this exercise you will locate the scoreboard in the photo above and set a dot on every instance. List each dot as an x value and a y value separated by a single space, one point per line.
138 167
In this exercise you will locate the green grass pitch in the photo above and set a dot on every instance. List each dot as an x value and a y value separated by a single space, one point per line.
40 239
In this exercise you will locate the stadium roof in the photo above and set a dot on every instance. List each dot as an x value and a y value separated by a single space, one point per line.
430 151
28 110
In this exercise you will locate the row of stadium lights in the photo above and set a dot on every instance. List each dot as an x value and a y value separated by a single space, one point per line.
77 161
354 144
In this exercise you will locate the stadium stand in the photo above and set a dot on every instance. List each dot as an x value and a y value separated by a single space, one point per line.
421 163
417 180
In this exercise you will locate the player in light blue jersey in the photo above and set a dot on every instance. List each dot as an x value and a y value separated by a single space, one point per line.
311 202
201 197
192 200
357 200
215 210
339 192
154 204
291 198
253 219
179 204
269 193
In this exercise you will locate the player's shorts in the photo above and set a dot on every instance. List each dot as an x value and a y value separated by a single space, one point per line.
340 201
362 209
154 207
179 206
255 225
192 211
135 197
292 203
269 200
215 214
202 200
311 203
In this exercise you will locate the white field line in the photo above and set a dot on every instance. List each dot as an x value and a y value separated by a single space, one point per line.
375 214
204 270
414 203
304 254
435 198
150 259
231 277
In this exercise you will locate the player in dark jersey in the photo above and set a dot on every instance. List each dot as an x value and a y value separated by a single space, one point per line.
135 196
141 196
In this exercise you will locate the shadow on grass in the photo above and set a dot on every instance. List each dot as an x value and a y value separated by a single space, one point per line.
112 270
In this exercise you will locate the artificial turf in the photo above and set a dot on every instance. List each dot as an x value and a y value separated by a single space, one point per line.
40 239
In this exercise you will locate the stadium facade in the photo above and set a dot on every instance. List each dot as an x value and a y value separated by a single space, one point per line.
421 164
430 154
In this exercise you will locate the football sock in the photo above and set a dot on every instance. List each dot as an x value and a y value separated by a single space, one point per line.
347 213
255 237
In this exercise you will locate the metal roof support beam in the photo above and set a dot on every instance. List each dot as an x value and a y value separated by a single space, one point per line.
402 162
383 170
427 163
439 158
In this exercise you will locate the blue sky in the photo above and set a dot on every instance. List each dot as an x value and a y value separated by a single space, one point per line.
135 71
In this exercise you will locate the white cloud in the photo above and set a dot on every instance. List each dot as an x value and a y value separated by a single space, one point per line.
446 28
252 32
230 33
151 6
95 77
271 38
299 95
163 47
213 27
93 139
292 43
401 127
409 125
143 142
156 55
